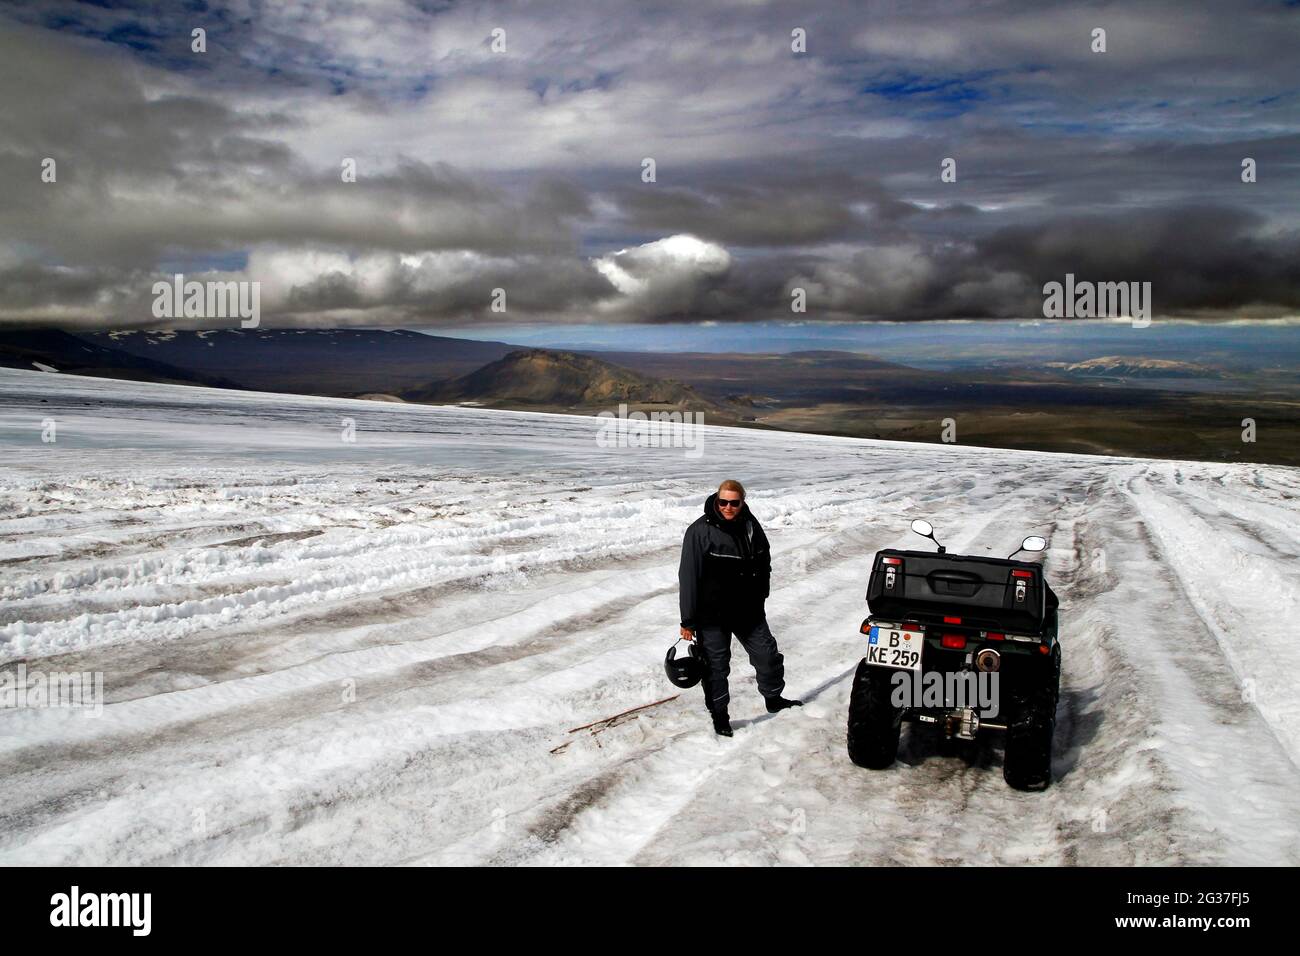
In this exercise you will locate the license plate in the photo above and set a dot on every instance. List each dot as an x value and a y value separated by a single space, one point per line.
897 647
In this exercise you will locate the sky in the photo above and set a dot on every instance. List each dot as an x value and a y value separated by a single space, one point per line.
503 146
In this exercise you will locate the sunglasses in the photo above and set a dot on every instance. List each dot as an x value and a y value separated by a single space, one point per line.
730 502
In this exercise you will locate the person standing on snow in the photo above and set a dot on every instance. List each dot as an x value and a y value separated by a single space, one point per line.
725 577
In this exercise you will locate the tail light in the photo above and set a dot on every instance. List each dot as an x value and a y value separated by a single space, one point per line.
1022 574
995 636
956 642
952 620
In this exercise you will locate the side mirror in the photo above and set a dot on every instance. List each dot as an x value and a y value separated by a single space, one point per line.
1034 542
926 530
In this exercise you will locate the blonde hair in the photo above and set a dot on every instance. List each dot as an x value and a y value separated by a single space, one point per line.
732 485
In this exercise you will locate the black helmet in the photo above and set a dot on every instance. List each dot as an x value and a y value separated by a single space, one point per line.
684 671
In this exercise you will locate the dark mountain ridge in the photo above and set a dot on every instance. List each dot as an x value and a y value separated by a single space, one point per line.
309 361
543 377
55 350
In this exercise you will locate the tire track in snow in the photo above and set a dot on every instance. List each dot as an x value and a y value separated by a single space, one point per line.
1247 602
1195 732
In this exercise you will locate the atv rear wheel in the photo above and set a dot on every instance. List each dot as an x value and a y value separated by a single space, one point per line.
874 722
1027 761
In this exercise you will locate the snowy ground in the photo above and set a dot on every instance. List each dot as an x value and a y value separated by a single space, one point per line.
317 651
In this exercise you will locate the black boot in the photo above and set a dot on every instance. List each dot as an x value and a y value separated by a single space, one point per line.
721 723
775 704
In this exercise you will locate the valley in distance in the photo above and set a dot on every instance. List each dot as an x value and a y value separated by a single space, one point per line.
1108 404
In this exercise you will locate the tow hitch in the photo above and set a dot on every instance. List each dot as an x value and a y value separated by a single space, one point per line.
964 723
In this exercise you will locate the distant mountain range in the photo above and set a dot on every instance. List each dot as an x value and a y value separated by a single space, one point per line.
419 367
377 364
310 361
54 350
1120 366
1106 405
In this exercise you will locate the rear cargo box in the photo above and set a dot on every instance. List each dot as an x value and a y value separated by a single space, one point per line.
991 593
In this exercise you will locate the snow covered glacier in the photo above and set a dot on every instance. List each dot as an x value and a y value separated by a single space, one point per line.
323 650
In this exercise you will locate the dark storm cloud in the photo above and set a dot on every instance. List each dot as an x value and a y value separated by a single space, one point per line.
429 288
479 170
756 204
144 171
1195 257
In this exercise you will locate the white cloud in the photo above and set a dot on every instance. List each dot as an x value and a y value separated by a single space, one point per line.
662 277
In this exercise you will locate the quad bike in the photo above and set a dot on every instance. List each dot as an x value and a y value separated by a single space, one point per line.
967 644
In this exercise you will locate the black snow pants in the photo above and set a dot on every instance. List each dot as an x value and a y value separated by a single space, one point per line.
758 642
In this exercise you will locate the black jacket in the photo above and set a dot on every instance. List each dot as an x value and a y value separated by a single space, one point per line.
726 569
